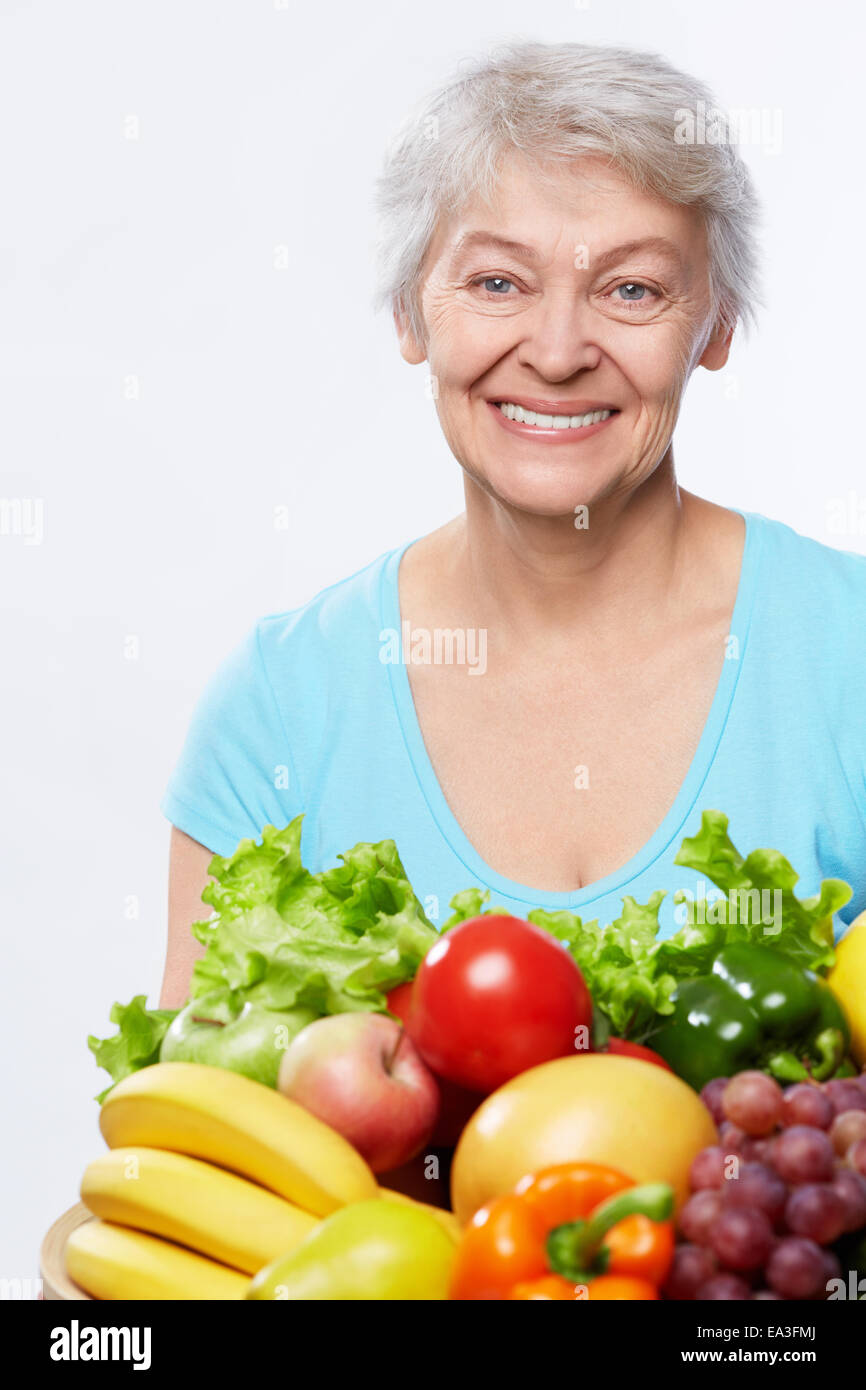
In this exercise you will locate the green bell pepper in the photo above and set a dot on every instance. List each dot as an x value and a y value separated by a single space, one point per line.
756 1009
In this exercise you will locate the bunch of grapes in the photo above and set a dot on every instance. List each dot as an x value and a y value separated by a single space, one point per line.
785 1181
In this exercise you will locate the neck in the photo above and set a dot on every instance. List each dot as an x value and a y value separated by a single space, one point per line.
537 575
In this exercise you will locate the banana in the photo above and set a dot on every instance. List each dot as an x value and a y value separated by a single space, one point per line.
111 1262
218 1115
196 1204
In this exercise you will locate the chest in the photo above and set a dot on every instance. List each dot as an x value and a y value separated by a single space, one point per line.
558 776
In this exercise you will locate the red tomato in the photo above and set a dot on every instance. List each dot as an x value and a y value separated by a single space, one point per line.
494 997
621 1048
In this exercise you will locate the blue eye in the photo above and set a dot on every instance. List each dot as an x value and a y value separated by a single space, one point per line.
495 280
631 285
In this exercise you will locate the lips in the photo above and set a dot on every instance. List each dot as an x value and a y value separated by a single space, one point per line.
552 426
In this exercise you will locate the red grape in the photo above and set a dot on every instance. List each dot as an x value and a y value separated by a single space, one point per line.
765 1294
742 1238
832 1270
753 1101
816 1210
755 1150
699 1213
708 1168
692 1266
797 1268
735 1141
846 1127
851 1187
802 1154
845 1094
724 1286
731 1137
711 1095
856 1156
757 1186
804 1104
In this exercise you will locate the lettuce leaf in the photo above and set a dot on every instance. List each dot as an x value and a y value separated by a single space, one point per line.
759 904
137 1042
632 975
468 904
619 963
282 937
339 940
336 941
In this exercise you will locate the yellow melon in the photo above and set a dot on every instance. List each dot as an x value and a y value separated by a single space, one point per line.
628 1114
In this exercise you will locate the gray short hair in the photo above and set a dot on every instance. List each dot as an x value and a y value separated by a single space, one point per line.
554 103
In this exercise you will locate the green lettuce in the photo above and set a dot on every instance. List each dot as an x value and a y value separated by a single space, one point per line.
802 929
283 937
631 975
136 1043
340 940
619 964
468 904
336 941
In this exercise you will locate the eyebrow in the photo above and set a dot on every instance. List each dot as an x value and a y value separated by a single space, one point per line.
470 240
659 244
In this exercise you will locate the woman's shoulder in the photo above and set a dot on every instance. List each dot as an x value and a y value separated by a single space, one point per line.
334 629
344 601
810 613
823 569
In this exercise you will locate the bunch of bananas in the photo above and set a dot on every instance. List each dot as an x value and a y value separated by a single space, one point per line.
209 1177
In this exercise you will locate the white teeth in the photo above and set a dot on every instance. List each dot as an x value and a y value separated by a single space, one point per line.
547 422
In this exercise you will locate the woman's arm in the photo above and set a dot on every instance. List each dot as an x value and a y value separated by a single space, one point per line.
187 876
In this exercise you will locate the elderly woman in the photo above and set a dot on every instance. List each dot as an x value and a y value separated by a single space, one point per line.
541 696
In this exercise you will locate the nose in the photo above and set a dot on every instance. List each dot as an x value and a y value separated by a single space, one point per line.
558 337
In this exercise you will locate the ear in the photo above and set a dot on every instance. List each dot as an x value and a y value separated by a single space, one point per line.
411 350
715 354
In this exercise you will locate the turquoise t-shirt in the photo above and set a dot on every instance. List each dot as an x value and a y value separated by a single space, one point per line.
312 714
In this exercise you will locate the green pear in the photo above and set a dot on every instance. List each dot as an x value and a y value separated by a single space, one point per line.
218 1031
376 1249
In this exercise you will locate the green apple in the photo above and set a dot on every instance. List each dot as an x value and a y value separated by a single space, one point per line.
218 1031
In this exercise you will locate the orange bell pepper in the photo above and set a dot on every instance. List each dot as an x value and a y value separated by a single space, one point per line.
570 1232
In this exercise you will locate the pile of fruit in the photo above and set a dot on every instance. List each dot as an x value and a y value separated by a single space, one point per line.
211 1178
610 1103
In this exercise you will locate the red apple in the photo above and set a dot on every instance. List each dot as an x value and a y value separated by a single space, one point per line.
457 1105
363 1075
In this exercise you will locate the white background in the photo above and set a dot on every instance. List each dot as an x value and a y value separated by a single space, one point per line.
148 263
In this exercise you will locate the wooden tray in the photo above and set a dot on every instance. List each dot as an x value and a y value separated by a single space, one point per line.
56 1283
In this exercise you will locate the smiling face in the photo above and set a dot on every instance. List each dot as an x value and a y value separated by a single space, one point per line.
564 300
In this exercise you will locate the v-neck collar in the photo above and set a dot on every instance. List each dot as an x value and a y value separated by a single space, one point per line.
673 823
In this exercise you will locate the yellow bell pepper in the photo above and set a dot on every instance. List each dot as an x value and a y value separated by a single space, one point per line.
847 980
